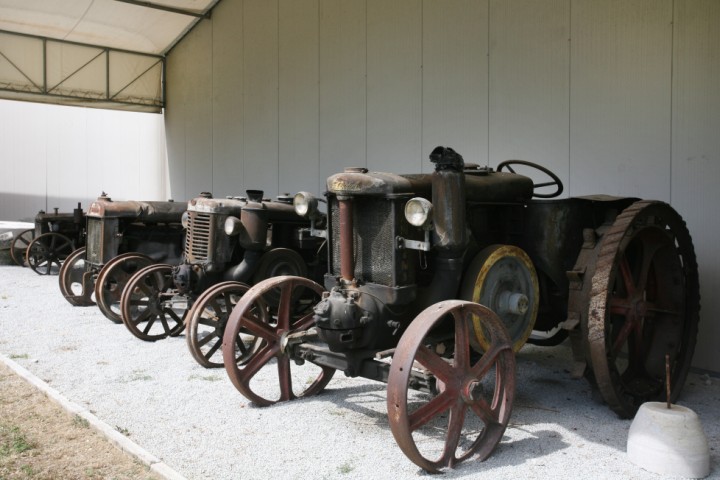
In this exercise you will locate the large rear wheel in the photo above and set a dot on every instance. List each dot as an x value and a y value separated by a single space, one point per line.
46 254
644 305
112 280
75 280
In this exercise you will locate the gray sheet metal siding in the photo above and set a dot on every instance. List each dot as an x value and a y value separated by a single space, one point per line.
617 97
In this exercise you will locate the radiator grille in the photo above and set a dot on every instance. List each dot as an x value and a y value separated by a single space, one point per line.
376 224
198 237
93 245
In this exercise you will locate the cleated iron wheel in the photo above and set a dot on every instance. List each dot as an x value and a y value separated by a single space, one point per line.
75 281
471 401
19 246
112 280
270 375
644 305
46 254
150 305
207 321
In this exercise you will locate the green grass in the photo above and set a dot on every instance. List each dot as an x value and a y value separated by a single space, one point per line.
79 421
15 356
13 441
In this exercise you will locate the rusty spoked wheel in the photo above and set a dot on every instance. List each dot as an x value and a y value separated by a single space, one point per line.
112 280
469 403
19 246
207 321
75 280
46 254
270 375
644 305
151 307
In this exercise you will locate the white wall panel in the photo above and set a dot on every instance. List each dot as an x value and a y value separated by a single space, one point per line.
56 156
529 85
343 50
227 100
455 78
696 153
176 94
620 97
299 97
260 83
394 85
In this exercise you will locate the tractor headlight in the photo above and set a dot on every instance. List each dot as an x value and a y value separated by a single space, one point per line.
306 205
185 219
418 212
232 226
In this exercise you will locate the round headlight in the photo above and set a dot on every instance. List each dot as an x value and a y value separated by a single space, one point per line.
305 204
418 212
185 219
232 226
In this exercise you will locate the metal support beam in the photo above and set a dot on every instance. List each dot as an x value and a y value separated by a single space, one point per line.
166 8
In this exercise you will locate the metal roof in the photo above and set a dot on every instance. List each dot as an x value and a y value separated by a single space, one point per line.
99 53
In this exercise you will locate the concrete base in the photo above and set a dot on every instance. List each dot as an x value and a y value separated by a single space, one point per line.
669 442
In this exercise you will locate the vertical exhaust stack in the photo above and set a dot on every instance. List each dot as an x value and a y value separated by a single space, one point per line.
448 199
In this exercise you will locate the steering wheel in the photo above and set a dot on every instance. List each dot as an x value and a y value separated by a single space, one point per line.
555 179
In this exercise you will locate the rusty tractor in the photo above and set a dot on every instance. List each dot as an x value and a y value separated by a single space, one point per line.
122 238
55 236
230 243
435 280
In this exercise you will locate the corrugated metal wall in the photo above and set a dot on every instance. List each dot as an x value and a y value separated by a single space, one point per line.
615 96
55 156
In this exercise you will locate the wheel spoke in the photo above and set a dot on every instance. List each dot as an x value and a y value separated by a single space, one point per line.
257 361
207 339
457 420
241 345
286 392
208 322
462 340
163 322
485 412
627 277
435 364
488 359
149 325
214 349
259 329
304 323
284 310
437 406
622 336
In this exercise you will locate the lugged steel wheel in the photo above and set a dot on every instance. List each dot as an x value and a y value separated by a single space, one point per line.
255 379
151 307
207 321
19 246
75 280
112 280
644 304
46 253
470 407
503 278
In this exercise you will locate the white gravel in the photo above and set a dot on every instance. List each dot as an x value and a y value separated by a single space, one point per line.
196 422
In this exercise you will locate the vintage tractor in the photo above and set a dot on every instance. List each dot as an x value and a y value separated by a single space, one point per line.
55 236
230 243
435 280
122 237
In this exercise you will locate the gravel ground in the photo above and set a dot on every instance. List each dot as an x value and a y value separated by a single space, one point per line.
196 422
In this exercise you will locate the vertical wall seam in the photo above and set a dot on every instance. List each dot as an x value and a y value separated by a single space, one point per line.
242 96
277 94
422 81
487 91
672 98
569 97
366 82
319 101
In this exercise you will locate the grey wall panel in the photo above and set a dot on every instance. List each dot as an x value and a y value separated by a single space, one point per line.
189 115
342 85
260 83
394 85
299 96
696 153
620 97
227 100
198 110
455 78
529 85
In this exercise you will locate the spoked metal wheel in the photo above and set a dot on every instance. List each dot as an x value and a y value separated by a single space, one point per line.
644 305
469 406
271 375
47 252
20 245
75 280
207 321
112 280
151 307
